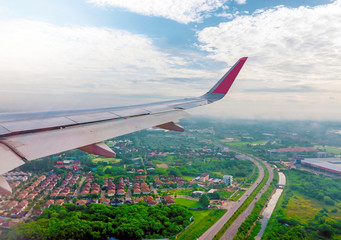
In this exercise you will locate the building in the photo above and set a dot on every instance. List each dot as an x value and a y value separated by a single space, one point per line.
228 179
327 165
204 177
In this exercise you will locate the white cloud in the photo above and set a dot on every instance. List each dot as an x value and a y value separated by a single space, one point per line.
287 48
224 15
240 1
179 10
42 63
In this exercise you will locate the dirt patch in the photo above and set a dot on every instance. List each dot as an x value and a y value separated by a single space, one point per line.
162 165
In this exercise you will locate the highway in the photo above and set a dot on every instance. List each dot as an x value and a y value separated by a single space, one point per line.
212 231
233 229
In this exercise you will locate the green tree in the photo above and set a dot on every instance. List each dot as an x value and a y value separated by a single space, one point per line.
204 201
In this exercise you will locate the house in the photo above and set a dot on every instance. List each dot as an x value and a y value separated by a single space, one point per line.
168 200
150 201
10 205
158 183
116 202
81 202
137 200
59 202
105 201
47 204
37 212
120 192
111 192
204 177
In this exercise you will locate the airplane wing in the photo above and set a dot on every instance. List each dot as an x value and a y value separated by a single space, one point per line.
28 136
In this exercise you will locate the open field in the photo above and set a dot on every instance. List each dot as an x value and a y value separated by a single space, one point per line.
108 160
187 202
245 143
188 178
225 194
304 209
203 220
162 165
330 149
184 191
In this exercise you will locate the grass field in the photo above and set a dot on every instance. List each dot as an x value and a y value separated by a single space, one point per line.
186 191
225 194
304 209
245 143
219 174
108 160
203 220
187 202
188 178
330 149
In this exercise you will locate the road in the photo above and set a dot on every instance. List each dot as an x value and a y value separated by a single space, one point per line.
214 229
233 229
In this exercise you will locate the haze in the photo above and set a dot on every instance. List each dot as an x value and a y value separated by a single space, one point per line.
97 53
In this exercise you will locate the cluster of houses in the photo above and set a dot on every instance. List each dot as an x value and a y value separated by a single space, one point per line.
120 187
95 188
33 190
111 186
65 189
142 188
69 164
6 223
170 180
17 176
15 208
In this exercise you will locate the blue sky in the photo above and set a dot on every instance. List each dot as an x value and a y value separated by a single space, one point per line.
78 54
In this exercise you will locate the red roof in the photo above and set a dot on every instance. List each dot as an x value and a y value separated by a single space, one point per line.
297 149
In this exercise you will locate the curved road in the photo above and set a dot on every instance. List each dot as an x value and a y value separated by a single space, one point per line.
214 229
233 229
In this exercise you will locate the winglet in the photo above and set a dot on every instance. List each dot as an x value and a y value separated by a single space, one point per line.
220 89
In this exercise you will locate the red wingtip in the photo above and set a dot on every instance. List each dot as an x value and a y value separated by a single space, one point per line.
227 82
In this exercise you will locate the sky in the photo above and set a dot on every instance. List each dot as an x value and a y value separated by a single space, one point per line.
79 54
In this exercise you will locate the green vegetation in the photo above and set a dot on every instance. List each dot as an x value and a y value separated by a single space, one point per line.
203 220
107 160
182 191
100 221
306 208
187 202
244 229
329 149
245 204
204 201
224 194
237 195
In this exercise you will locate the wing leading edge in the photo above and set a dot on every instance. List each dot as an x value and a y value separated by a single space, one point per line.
28 136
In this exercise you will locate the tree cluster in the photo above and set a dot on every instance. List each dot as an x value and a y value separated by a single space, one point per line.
98 221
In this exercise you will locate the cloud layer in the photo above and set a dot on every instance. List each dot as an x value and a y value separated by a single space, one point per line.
39 59
178 10
288 48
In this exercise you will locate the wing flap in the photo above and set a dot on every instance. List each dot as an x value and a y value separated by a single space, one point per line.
8 160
